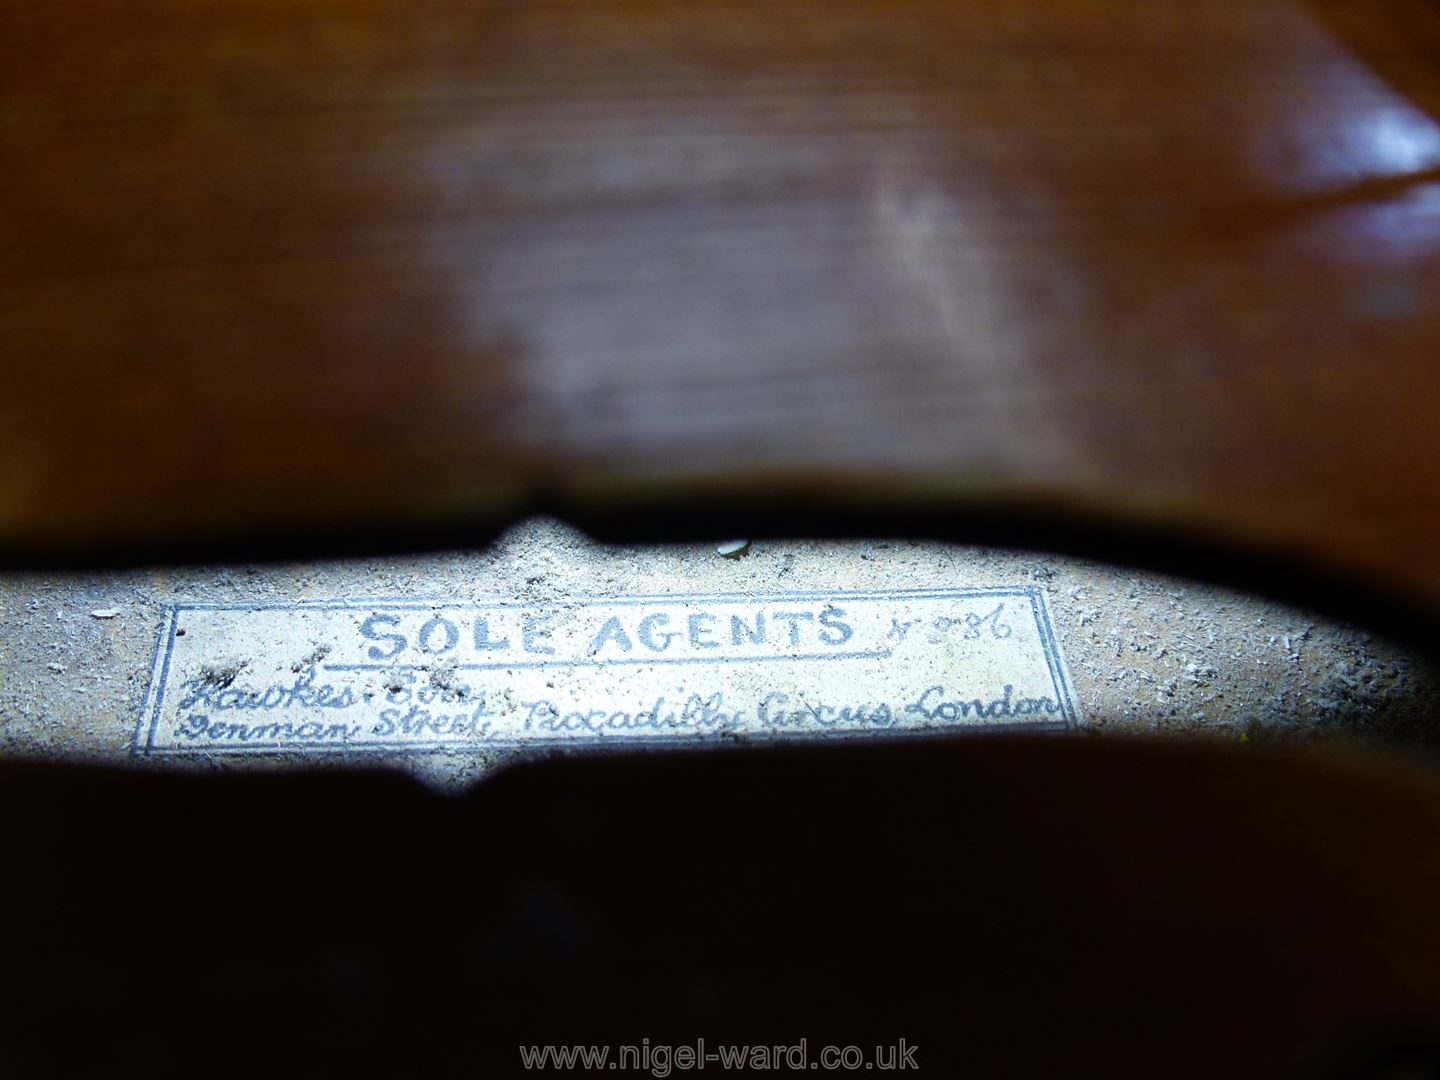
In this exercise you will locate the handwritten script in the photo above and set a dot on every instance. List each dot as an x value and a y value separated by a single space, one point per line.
401 675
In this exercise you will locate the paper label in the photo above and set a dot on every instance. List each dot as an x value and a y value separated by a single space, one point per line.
398 676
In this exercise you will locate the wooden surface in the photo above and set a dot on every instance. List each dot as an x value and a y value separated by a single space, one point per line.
1034 908
273 268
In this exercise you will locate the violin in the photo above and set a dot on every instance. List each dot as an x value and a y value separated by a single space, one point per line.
1153 281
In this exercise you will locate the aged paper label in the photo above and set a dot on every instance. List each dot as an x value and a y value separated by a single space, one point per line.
418 676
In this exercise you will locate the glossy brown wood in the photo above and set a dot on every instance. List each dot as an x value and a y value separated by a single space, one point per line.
270 266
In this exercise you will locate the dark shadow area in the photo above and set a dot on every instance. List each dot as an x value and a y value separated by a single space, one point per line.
1006 906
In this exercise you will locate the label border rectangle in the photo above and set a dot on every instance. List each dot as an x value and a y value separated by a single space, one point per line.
143 741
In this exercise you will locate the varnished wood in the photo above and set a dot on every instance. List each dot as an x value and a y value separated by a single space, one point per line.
276 266
1015 908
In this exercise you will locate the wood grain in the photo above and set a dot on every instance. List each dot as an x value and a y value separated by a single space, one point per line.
269 268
